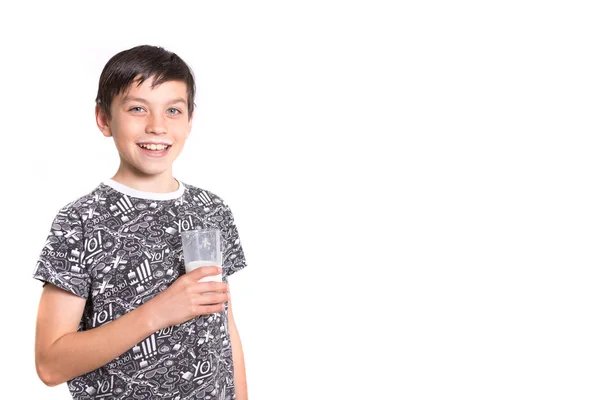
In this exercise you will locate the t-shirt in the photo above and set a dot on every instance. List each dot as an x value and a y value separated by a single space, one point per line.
118 248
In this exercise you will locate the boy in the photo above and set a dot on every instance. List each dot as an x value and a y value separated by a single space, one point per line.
118 317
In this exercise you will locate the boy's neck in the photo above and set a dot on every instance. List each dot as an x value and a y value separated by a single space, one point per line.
164 183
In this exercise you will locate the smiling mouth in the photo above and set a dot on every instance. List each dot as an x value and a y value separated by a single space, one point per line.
154 147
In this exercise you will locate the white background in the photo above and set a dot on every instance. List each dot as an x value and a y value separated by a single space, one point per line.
415 184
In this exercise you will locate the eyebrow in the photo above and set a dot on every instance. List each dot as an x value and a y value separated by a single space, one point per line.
140 100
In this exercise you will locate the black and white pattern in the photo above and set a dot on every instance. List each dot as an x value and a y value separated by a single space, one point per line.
118 248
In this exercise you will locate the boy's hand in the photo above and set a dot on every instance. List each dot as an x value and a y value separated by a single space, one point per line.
186 299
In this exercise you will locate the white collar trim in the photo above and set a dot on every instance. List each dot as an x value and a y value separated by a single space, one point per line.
119 187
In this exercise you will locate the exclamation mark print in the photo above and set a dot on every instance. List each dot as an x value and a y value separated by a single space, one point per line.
139 272
125 206
154 350
145 349
149 347
144 271
205 199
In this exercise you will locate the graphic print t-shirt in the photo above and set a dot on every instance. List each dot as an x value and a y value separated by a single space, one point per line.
118 248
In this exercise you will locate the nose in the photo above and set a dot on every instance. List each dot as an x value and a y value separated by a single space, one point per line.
156 124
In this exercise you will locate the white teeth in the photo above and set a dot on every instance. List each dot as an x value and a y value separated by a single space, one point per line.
153 146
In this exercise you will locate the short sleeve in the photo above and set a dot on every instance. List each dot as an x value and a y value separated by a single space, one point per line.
60 261
233 253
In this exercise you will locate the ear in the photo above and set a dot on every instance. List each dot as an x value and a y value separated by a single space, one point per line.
103 122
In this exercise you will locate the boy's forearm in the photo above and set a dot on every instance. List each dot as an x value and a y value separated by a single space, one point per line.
239 367
77 353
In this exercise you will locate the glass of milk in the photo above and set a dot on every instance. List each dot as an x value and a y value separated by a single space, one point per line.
202 248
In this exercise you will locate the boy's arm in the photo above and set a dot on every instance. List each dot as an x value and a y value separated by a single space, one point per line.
239 368
62 353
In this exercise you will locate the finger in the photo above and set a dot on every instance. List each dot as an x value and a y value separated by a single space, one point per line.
213 298
211 309
211 287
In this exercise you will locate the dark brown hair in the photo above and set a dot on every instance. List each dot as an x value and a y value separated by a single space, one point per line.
143 62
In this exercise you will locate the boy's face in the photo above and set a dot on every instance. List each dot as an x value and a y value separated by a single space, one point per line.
149 126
